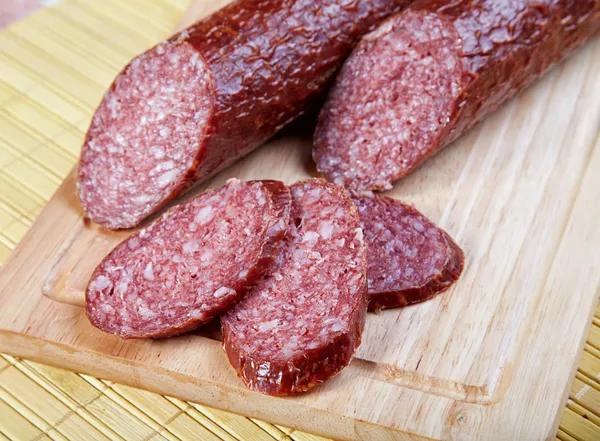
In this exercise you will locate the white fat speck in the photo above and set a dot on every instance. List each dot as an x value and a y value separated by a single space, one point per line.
325 230
157 152
100 283
358 234
223 291
177 258
203 215
267 326
164 131
133 243
166 178
121 140
206 258
243 274
191 246
311 238
340 242
148 273
160 49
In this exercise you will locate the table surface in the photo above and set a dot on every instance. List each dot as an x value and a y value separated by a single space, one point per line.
45 106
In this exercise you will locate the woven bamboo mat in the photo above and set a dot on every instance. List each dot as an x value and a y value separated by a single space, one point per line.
54 67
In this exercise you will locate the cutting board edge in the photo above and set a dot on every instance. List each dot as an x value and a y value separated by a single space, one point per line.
185 387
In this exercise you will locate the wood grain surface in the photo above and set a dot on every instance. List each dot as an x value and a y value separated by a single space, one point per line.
517 193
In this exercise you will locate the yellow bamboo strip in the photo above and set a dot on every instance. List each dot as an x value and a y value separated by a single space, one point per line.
105 56
99 71
592 350
11 228
53 164
23 200
15 425
76 428
29 415
187 429
4 364
590 366
584 413
592 383
236 425
563 436
36 179
80 31
201 419
13 132
120 19
158 437
4 252
146 13
594 336
16 200
33 397
170 13
125 404
48 98
119 419
73 87
65 140
6 93
49 65
7 242
578 427
35 118
3 437
70 389
154 405
271 430
301 436
214 427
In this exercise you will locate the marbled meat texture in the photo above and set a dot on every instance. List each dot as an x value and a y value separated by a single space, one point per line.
429 73
190 106
409 259
192 264
303 322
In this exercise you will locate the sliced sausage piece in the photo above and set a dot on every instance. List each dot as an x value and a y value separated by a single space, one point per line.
191 264
187 108
409 259
303 322
429 73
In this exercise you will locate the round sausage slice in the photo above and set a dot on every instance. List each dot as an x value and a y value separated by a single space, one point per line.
303 322
429 73
409 259
191 264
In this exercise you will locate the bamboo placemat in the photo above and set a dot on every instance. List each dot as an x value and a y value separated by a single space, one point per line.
54 68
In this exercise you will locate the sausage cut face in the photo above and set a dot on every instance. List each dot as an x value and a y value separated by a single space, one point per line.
146 135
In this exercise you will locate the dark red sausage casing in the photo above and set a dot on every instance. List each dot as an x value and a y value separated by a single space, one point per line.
429 73
195 103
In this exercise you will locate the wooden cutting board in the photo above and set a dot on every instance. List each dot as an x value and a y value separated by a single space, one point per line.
491 359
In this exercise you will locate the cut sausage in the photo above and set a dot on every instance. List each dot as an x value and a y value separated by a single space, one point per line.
409 259
303 322
192 264
192 105
429 73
